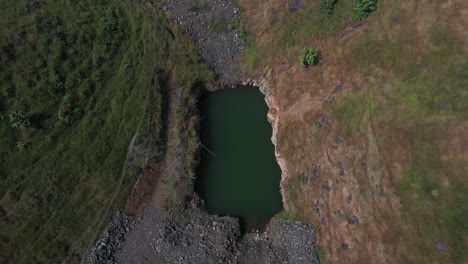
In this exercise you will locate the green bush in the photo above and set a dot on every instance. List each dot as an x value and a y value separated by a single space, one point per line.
363 8
308 57
327 7
18 120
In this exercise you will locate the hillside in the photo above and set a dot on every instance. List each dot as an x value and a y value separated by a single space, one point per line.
374 135
76 78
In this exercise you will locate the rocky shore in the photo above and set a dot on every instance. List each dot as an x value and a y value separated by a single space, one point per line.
194 236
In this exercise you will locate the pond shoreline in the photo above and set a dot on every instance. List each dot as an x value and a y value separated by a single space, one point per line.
168 241
273 119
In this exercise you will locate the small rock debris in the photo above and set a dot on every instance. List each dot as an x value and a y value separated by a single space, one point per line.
194 236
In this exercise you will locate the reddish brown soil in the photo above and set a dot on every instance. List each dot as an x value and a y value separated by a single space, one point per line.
143 190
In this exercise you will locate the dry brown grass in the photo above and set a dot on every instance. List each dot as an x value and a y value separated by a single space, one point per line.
400 50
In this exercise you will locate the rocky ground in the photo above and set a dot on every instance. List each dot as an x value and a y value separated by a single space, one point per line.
109 242
215 27
193 236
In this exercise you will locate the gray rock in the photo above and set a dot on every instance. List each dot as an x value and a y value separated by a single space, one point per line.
442 247
163 237
352 219
345 246
109 242
218 46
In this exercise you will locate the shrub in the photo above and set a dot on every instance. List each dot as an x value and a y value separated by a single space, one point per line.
110 32
20 145
17 119
327 7
363 8
308 57
68 113
85 89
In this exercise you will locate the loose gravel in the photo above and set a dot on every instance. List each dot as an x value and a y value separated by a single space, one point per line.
193 236
215 28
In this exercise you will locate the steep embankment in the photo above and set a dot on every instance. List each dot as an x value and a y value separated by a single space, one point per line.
273 118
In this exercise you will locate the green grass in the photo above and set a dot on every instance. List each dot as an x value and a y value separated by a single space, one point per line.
303 25
351 112
327 7
290 32
217 27
55 192
250 55
426 83
285 216
440 210
419 88
321 255
294 186
306 24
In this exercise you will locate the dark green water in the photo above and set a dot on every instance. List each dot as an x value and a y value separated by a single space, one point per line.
243 178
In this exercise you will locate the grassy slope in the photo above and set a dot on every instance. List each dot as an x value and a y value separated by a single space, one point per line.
411 59
428 97
56 190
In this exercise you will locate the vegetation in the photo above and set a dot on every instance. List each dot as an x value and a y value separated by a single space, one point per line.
352 112
430 202
363 8
217 27
250 56
423 103
284 215
308 57
410 93
17 119
327 7
75 76
68 113
287 32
